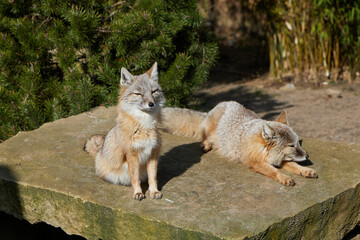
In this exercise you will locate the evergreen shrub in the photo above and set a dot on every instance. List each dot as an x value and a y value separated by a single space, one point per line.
59 58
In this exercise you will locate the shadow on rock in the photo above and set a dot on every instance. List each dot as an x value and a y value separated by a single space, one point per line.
9 195
10 204
353 234
11 226
175 162
305 163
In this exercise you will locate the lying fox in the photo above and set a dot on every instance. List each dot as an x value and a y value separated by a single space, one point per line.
241 135
129 153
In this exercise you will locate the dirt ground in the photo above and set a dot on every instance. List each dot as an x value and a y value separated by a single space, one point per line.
328 112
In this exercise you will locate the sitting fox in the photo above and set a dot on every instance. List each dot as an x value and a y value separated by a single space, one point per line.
241 135
129 153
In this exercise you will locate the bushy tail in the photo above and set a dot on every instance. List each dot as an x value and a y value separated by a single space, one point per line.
94 144
183 122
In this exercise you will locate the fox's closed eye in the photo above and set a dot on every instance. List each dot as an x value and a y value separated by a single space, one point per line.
291 145
137 93
154 91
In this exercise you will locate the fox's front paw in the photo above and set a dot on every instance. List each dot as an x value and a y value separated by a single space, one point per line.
287 181
309 173
139 196
156 195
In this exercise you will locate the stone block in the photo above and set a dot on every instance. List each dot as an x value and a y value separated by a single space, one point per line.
45 176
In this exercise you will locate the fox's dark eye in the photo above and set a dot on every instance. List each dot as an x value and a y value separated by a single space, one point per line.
291 145
154 91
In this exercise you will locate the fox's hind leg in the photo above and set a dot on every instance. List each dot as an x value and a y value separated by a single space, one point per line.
209 126
207 134
295 168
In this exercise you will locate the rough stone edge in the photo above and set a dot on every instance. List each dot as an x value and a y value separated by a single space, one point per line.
331 219
70 213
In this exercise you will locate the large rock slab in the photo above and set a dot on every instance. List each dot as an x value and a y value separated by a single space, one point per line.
46 176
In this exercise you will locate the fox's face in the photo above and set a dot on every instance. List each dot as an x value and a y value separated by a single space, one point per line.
282 143
142 92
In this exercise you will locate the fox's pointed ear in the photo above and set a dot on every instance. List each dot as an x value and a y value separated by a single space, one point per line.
267 133
153 72
126 78
282 118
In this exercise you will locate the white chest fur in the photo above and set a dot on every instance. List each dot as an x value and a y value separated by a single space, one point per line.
144 147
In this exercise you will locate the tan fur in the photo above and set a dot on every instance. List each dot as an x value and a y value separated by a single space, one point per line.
299 170
256 160
172 122
130 151
282 118
239 134
94 144
209 127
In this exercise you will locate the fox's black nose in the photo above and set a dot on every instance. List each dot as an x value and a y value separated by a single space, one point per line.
151 104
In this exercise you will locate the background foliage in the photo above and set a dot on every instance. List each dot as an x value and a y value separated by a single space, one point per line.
59 58
306 40
315 39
